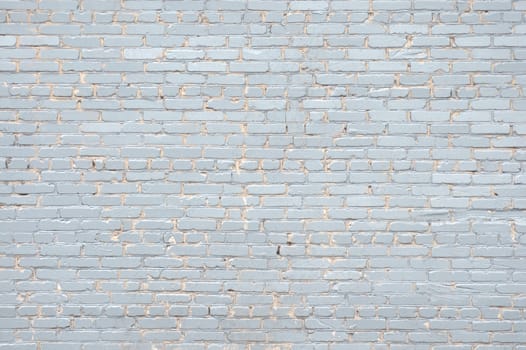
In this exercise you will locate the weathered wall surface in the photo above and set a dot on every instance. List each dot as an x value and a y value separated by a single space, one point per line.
257 174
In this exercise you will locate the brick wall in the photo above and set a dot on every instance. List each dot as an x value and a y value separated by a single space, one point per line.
262 174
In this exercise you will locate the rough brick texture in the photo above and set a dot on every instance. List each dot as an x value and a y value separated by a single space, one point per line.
262 174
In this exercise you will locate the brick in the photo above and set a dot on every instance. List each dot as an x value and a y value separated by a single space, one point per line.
258 165
308 5
386 41
140 54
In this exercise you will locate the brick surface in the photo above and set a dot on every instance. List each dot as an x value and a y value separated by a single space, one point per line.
262 174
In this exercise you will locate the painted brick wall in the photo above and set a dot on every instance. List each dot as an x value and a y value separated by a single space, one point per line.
262 174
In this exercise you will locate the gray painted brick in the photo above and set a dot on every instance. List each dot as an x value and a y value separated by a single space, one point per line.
213 174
